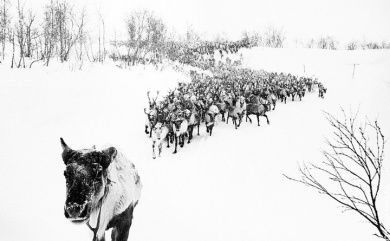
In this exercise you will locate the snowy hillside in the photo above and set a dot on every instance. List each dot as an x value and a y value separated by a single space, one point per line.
229 186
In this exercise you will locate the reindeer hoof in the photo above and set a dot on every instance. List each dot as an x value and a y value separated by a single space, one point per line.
154 157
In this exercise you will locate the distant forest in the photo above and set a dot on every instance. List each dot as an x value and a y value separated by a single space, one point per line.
63 31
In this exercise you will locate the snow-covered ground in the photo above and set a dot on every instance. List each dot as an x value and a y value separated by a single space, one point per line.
229 186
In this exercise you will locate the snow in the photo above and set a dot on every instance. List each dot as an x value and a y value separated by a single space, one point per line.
229 186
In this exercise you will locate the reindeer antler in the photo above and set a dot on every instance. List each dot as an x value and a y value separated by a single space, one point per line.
155 99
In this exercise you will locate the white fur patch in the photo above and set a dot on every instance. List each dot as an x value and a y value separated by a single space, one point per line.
124 190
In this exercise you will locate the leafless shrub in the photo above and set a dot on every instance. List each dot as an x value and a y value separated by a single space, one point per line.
311 43
352 171
253 38
353 45
327 43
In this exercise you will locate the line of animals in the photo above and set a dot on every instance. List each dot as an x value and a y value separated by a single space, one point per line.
231 93
202 55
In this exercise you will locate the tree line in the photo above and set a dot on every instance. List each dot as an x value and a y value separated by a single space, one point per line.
60 32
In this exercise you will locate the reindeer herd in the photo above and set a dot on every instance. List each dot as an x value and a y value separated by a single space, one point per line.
231 93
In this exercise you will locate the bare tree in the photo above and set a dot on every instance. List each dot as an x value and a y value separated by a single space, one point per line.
354 167
274 37
70 27
4 23
102 38
12 40
50 32
26 33
146 35
21 34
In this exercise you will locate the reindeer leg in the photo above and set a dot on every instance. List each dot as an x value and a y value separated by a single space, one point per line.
154 154
121 230
258 120
267 118
175 145
167 138
159 149
250 120
190 134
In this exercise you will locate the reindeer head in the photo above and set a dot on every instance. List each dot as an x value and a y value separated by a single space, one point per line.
86 180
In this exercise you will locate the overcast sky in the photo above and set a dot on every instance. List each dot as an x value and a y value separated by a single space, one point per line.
304 19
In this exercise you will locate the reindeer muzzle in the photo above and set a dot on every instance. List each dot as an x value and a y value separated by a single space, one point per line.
77 212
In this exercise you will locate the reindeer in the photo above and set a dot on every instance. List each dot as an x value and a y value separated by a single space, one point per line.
151 115
210 118
256 108
271 99
236 111
160 133
321 90
102 190
180 130
193 118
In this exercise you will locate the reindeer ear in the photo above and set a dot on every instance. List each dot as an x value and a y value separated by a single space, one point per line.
94 147
67 151
64 145
110 154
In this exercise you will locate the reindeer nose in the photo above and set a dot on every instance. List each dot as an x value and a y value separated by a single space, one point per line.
75 210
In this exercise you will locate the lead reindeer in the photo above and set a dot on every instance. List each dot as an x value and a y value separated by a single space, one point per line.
160 133
102 190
